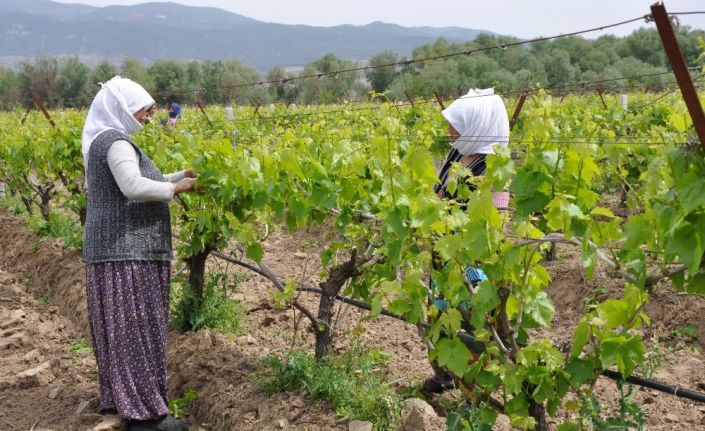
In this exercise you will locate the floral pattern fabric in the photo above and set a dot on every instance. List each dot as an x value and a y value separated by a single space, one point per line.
128 306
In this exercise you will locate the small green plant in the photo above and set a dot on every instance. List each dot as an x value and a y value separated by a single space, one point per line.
59 225
592 300
353 382
472 418
80 347
14 204
654 358
215 310
563 257
630 415
45 298
687 332
37 245
177 406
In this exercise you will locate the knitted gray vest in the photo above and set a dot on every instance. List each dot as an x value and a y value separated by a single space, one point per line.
118 229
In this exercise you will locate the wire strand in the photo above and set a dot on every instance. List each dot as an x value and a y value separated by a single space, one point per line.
400 104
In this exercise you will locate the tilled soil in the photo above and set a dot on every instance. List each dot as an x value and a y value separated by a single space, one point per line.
44 385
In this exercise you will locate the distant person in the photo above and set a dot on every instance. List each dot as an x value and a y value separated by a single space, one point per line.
127 250
477 122
174 112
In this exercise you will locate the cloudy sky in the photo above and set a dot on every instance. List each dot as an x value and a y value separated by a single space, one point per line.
520 18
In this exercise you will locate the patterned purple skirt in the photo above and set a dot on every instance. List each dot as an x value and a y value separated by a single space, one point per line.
128 308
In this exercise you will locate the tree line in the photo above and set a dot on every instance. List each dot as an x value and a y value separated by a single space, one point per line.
67 82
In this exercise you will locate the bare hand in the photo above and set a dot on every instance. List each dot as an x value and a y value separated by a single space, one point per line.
190 173
184 185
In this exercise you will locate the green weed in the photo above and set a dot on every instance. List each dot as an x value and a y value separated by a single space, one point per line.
353 382
14 204
177 406
215 310
687 332
80 347
59 225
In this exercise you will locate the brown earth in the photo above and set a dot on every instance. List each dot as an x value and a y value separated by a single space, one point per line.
227 371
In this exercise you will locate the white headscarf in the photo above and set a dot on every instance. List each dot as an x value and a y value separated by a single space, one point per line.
481 120
112 109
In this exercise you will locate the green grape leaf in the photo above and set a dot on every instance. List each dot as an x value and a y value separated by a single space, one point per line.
484 300
581 371
452 353
255 251
696 284
625 352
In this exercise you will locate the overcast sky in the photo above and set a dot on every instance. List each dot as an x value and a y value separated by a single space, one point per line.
522 18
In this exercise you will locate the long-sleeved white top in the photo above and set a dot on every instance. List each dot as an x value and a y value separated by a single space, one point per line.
124 165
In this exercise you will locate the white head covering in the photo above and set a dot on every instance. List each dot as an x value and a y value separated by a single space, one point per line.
481 120
113 108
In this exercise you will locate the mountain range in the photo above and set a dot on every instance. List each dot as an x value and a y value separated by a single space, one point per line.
151 31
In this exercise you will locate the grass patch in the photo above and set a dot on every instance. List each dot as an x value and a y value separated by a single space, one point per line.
354 383
13 204
80 347
59 225
177 406
216 310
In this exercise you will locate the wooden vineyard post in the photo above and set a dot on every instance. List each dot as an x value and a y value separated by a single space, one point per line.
409 98
599 92
24 117
439 100
44 111
200 106
395 106
517 111
680 69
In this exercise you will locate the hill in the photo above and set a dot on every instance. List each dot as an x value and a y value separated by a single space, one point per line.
152 31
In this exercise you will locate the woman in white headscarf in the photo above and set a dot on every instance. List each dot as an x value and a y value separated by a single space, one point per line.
127 249
477 122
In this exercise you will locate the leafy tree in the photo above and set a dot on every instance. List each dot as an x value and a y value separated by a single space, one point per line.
558 62
194 78
39 78
330 86
644 44
500 80
597 59
284 90
515 58
440 47
559 69
475 68
525 79
577 49
237 73
381 77
134 69
442 77
9 88
689 42
168 76
630 66
212 77
610 74
103 72
73 83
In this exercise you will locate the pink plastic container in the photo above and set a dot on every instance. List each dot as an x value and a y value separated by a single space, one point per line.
501 200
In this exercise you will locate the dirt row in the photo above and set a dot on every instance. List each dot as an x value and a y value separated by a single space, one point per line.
47 383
